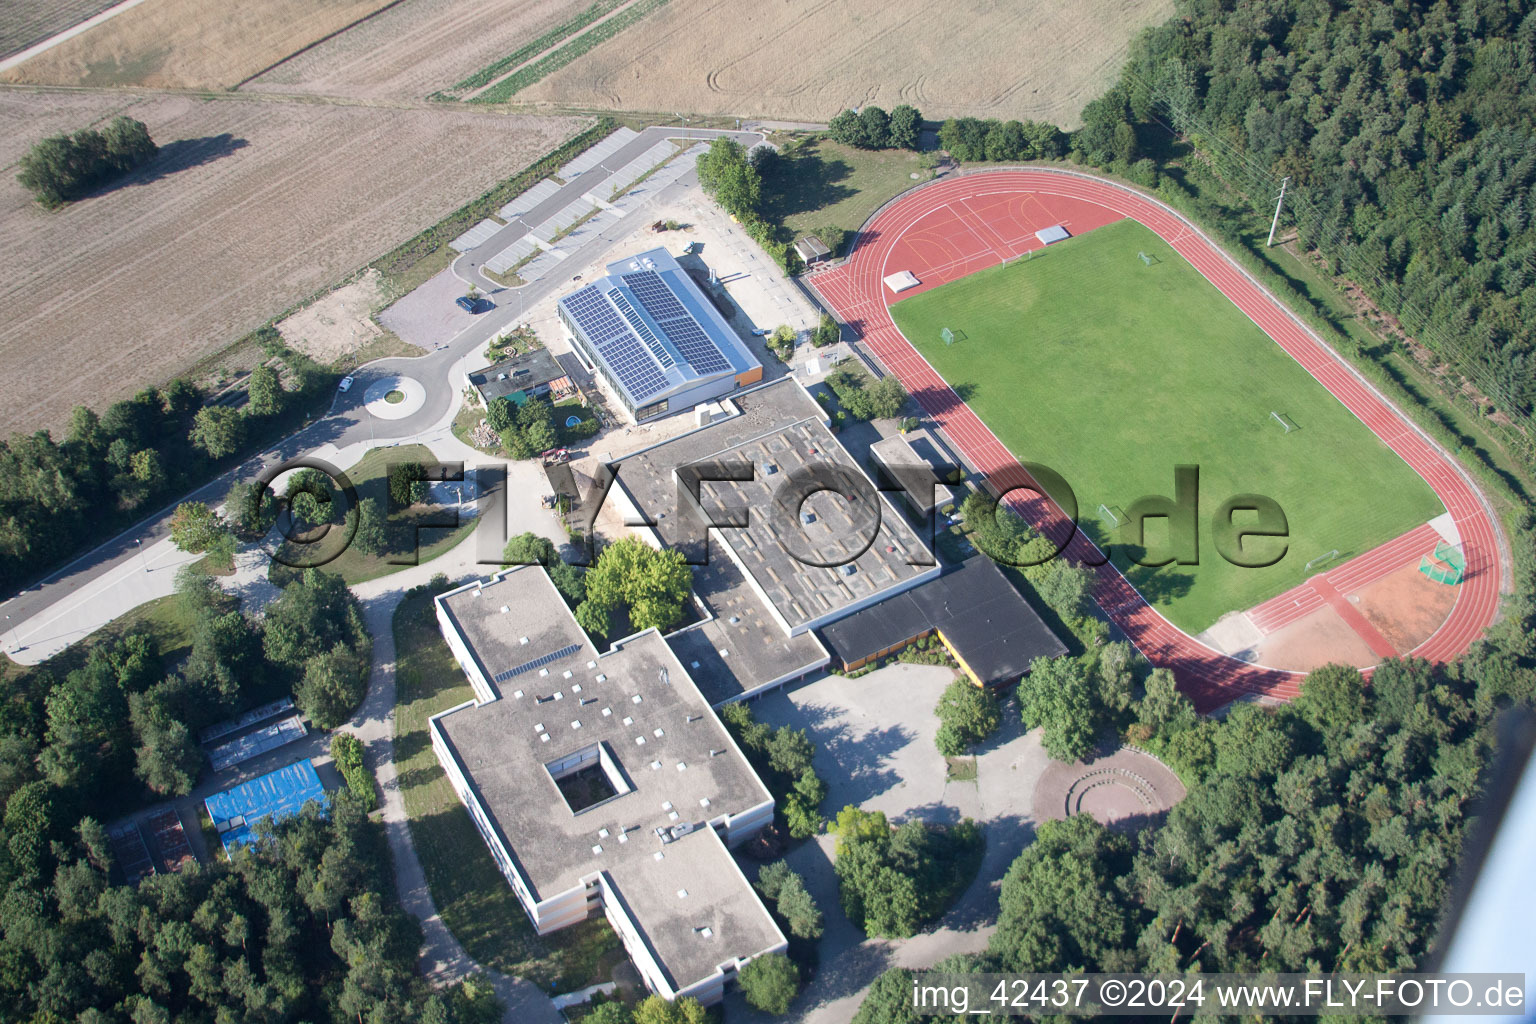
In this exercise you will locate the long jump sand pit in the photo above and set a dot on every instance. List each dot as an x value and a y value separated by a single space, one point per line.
189 44
253 206
807 59
416 48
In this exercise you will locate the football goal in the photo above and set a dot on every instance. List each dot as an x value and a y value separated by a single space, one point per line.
1285 421
947 336
1322 560
1112 516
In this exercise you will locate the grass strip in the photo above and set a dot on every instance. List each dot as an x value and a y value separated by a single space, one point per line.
490 72
513 84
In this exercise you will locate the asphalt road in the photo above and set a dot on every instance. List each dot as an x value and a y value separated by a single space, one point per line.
349 421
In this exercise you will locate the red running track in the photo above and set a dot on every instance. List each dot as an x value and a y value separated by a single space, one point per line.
954 226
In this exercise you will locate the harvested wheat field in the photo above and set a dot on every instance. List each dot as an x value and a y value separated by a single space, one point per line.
251 207
416 48
807 59
189 44
25 23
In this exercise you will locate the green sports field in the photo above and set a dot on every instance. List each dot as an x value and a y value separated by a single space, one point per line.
1112 372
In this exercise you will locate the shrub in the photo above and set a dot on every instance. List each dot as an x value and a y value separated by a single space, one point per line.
770 982
347 752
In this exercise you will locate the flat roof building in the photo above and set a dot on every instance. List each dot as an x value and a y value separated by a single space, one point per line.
530 375
811 249
603 783
656 340
809 563
978 615
898 454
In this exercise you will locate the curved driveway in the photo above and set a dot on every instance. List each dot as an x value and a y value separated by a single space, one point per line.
1210 678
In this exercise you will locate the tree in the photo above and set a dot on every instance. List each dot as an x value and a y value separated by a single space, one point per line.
195 526
332 687
1066 588
528 549
370 537
252 509
218 430
905 127
877 127
315 614
656 1010
168 758
845 127
770 982
265 391
1059 907
66 167
594 618
1117 681
653 585
886 398
827 331
726 177
889 1000
1332 699
967 715
608 1013
1056 697
407 484
798 908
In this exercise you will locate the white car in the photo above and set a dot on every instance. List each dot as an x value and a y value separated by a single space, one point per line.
345 385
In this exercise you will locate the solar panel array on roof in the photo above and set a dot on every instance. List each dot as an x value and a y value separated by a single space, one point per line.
680 326
635 366
541 660
646 334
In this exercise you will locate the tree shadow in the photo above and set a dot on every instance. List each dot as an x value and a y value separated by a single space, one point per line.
174 157
804 181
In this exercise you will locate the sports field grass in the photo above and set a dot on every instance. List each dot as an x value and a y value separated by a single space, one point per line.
1112 372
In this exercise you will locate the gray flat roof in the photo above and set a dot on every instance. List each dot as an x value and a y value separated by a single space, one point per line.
519 373
916 450
500 751
780 426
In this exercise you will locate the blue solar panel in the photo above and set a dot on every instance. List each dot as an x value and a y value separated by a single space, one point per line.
655 296
695 346
540 661
646 334
635 366
680 326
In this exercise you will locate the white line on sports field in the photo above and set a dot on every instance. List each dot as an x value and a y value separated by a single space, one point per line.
69 33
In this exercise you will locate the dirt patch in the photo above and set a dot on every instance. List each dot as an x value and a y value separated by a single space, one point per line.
807 59
340 322
189 44
251 207
1405 607
416 48
1312 641
1126 789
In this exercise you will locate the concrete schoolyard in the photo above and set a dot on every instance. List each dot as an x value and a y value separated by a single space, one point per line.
874 738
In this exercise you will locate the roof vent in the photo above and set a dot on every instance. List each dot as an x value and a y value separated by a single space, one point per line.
505 609
705 932
682 894
846 570
807 518
522 639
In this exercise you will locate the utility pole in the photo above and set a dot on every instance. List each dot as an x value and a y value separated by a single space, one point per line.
1278 203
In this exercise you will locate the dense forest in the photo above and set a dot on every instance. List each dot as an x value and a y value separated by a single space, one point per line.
59 496
1408 131
105 730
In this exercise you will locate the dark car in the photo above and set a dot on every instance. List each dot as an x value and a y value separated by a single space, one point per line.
475 305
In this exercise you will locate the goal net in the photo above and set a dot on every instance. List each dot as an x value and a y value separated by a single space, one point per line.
1112 516
947 336
1285 421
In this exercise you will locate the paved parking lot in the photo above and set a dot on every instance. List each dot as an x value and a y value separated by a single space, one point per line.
874 739
427 317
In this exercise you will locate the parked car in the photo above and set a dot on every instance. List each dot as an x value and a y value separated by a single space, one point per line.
474 305
345 385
